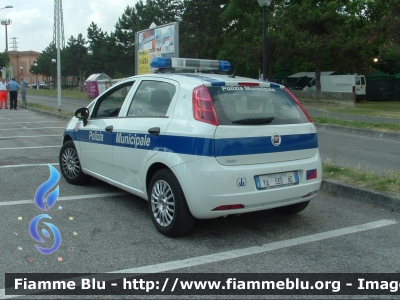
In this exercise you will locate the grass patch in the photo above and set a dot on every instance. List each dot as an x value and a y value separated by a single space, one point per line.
52 110
388 182
366 108
356 124
67 93
383 109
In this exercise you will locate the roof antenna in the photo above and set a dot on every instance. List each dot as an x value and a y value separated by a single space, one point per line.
234 72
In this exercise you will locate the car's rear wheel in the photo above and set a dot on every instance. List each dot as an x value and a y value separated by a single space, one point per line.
70 165
167 205
293 208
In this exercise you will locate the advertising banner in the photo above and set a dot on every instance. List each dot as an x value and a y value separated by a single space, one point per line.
153 42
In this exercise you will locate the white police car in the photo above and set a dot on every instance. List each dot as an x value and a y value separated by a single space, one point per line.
196 145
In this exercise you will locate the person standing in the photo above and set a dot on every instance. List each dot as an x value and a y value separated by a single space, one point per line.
23 84
13 88
3 94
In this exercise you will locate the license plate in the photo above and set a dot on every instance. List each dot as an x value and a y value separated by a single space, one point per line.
270 181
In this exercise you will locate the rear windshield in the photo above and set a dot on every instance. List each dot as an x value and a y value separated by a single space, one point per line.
239 105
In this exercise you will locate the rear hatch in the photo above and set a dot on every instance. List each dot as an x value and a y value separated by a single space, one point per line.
260 123
360 87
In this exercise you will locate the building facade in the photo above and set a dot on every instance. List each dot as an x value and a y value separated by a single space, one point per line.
21 63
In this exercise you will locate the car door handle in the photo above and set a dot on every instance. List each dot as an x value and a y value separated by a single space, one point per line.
109 128
154 131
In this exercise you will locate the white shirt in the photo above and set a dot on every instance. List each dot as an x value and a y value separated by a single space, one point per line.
3 86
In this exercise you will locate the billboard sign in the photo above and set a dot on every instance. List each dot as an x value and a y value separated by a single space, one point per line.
158 41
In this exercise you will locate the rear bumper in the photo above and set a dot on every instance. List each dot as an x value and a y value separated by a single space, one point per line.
207 185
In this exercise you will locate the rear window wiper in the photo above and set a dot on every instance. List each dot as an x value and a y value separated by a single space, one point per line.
254 121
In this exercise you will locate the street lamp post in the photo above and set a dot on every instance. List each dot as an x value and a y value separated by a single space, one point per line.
264 4
6 22
90 53
8 6
54 77
37 82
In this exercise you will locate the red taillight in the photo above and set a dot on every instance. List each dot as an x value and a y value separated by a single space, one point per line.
354 89
299 104
228 207
203 107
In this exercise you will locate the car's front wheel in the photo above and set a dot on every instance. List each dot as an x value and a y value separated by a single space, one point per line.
167 205
293 208
70 165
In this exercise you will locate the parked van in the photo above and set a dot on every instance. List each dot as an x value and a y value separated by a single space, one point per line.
341 84
330 83
300 80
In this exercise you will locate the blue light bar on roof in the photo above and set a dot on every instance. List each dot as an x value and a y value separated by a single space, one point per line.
190 63
161 62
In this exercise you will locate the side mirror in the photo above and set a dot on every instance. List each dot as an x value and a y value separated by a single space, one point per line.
82 114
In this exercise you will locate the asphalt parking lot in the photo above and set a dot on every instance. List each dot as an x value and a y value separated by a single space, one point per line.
104 229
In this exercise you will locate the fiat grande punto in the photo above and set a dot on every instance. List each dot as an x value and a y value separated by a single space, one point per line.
196 145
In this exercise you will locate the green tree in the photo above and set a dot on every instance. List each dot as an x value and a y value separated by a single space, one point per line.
242 37
74 61
46 67
96 40
327 35
387 35
4 59
110 55
201 28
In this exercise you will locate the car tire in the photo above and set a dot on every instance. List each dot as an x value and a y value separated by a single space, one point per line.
292 209
167 205
70 165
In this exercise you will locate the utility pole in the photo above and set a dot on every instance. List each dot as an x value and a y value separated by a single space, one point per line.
58 31
14 44
58 41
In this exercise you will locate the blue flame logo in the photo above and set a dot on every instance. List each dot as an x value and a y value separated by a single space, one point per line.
40 203
45 187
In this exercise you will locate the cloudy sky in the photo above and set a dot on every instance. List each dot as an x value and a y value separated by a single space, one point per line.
32 21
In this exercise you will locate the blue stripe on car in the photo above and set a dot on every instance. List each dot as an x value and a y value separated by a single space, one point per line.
259 145
202 146
188 145
274 85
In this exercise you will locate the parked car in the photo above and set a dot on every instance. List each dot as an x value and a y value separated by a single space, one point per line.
196 145
43 86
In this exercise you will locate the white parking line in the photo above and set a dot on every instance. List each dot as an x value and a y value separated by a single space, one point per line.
26 136
41 122
32 128
67 198
217 257
24 118
39 147
28 165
